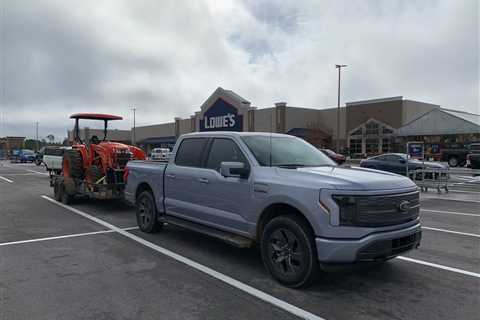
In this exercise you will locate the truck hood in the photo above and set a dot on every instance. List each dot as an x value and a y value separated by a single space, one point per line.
347 178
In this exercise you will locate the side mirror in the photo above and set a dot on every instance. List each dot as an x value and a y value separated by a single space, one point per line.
234 170
403 161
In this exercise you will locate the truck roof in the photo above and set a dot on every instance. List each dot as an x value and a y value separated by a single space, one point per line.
234 134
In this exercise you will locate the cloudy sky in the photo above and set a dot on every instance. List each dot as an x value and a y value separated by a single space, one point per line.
166 57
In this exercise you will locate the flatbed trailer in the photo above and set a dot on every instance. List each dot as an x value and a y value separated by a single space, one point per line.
65 189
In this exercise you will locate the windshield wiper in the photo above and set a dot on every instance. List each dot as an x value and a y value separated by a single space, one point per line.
289 165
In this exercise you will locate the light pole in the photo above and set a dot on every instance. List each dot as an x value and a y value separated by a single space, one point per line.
339 67
36 136
134 141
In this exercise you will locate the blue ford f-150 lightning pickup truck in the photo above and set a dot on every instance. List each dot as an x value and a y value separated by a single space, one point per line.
277 191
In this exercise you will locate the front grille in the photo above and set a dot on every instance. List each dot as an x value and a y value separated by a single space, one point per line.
377 211
122 158
384 249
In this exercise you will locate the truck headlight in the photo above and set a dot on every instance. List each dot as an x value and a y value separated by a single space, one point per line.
348 208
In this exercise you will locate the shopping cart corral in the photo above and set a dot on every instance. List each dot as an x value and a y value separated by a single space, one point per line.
434 178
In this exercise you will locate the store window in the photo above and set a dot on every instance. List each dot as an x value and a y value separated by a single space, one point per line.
386 146
371 146
371 128
355 146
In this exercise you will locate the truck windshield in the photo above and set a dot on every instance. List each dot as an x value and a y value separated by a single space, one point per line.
288 152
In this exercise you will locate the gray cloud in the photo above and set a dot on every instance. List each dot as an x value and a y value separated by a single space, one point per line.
166 57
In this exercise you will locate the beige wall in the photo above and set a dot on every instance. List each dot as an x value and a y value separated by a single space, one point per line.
388 112
265 120
158 130
323 119
185 126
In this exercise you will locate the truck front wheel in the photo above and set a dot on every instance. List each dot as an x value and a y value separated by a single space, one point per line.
147 217
288 251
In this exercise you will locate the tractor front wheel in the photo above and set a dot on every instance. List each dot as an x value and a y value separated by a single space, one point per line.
72 164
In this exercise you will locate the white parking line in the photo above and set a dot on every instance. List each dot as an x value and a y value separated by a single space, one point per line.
215 274
439 266
54 238
33 171
464 191
5 179
75 235
461 200
451 231
451 212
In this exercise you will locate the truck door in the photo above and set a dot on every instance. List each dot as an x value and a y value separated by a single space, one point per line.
182 178
227 200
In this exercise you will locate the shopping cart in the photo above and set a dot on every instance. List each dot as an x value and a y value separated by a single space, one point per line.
431 178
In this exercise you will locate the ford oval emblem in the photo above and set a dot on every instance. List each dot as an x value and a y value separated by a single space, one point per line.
404 206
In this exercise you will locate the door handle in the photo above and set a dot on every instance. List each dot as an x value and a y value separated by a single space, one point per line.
171 176
202 180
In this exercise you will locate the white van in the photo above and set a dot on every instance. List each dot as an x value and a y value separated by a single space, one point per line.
160 154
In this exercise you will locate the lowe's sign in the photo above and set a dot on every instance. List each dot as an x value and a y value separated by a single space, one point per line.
221 116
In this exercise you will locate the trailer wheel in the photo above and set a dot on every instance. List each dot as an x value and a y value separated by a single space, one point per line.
147 217
72 164
57 192
65 198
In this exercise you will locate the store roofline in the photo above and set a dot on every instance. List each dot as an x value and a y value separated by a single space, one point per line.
359 102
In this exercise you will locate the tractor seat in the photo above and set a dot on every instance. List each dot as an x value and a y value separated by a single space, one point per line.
94 140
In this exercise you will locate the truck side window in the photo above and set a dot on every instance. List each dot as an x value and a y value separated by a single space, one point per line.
224 150
190 152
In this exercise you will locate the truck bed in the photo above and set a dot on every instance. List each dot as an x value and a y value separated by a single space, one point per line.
146 171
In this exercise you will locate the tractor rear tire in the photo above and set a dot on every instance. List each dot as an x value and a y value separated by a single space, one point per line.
93 174
72 164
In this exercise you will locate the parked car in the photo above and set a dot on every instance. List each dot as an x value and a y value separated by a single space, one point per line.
456 154
397 163
337 157
53 158
23 156
305 212
160 154
473 158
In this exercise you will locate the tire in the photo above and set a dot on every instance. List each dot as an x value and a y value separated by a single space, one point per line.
65 198
146 210
72 164
57 192
93 174
289 252
453 162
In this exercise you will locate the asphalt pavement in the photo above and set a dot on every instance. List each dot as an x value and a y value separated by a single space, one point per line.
88 261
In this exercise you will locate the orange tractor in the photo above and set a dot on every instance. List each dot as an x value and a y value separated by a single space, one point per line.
94 168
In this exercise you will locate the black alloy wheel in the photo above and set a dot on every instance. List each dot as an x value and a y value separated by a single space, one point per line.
147 217
289 252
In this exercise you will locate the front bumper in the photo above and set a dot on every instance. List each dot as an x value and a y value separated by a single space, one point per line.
374 247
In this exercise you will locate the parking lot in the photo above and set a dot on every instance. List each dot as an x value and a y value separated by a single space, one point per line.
89 261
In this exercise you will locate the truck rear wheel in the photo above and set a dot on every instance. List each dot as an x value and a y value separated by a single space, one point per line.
147 217
288 251
72 164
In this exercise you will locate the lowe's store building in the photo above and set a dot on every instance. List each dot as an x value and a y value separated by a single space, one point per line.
366 127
